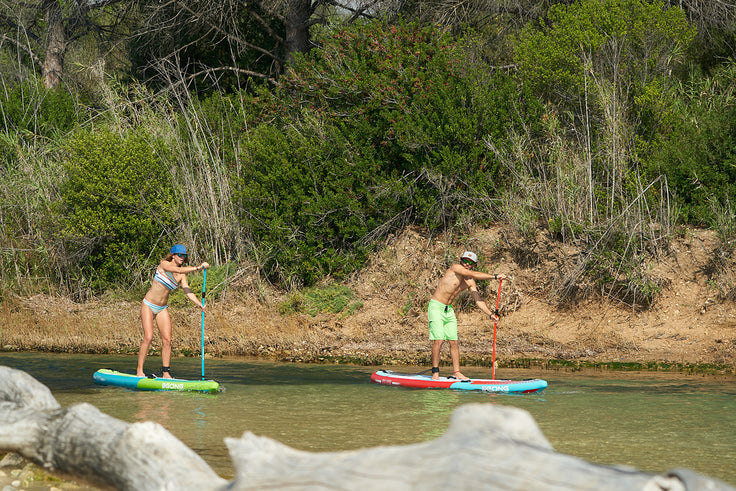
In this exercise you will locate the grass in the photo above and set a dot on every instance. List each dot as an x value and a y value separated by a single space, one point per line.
331 299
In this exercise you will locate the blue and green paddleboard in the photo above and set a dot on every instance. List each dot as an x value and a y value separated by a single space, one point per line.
111 377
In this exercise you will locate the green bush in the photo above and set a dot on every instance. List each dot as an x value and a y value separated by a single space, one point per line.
118 205
306 206
31 107
589 43
698 151
379 127
420 103
333 299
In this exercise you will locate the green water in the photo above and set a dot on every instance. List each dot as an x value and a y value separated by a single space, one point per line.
652 421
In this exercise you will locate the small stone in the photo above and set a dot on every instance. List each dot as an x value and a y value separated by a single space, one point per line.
12 460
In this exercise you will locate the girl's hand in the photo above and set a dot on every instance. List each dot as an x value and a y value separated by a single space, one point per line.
205 265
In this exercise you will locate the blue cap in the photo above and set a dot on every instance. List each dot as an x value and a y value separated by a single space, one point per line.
178 249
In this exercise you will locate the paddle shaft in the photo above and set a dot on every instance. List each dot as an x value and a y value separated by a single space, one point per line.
495 323
201 335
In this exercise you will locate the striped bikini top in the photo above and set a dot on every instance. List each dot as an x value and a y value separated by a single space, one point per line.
166 278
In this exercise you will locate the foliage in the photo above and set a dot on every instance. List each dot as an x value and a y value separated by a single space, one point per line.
698 152
608 64
30 173
118 207
307 203
379 126
377 81
217 45
8 153
345 150
43 37
332 299
632 41
29 107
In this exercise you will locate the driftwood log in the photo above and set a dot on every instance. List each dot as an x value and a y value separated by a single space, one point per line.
487 446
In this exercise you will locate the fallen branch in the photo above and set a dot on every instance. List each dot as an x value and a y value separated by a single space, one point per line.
82 442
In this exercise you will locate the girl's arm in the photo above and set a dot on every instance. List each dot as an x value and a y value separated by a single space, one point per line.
188 292
167 266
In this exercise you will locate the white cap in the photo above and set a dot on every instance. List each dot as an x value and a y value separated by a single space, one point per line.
469 255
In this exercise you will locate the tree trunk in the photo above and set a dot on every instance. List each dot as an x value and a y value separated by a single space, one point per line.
56 43
298 13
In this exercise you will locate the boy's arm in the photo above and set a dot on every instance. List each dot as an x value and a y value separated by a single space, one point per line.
482 305
476 275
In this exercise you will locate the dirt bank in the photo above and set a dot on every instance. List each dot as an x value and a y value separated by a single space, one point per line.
688 323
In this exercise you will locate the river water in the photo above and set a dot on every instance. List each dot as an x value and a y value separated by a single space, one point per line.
649 420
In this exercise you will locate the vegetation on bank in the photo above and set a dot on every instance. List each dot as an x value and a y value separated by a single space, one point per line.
605 122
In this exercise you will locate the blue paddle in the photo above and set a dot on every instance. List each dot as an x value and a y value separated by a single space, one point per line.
201 336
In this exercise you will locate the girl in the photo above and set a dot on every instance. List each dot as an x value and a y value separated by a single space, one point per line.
169 274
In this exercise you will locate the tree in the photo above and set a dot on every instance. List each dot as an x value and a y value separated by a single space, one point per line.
40 34
607 63
380 126
716 25
498 20
631 39
230 41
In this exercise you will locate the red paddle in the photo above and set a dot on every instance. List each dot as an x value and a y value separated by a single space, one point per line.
498 301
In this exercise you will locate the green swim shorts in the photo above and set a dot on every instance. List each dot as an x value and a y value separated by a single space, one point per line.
442 321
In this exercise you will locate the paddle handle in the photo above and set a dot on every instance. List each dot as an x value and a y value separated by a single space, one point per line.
495 324
201 334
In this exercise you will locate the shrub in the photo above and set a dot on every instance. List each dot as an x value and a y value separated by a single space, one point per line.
698 152
31 107
118 207
306 206
379 127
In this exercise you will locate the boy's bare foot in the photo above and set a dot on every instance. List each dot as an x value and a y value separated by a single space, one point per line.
458 375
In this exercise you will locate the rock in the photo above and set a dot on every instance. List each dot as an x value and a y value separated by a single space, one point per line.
12 461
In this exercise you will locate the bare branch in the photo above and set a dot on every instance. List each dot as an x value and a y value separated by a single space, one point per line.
23 47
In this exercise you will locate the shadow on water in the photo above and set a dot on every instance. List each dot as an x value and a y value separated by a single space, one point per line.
652 421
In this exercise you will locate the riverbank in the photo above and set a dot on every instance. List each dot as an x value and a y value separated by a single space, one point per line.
688 327
16 473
